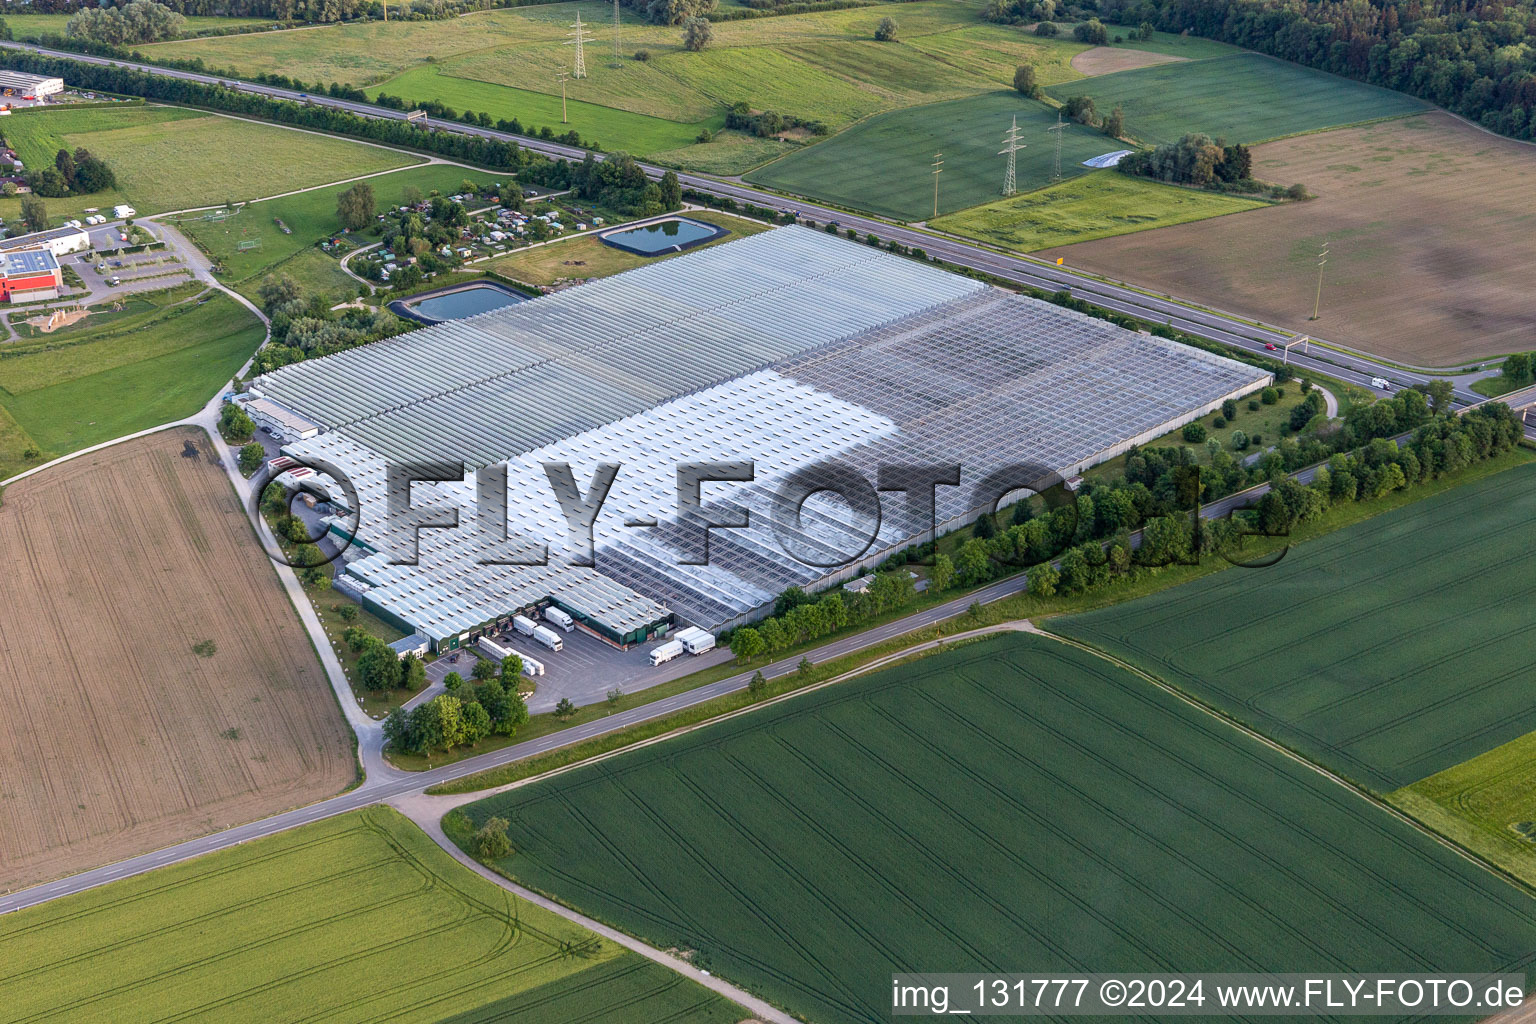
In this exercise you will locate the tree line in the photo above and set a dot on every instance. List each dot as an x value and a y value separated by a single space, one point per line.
464 715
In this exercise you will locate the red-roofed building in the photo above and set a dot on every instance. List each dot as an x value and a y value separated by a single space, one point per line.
29 275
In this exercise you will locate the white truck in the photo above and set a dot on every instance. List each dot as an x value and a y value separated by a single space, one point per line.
524 625
548 637
666 652
1381 384
493 650
559 618
695 640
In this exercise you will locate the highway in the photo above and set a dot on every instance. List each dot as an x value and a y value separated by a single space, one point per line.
1122 298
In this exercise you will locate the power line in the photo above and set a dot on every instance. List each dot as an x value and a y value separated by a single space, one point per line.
1011 146
562 78
616 29
1059 128
938 169
1322 261
579 37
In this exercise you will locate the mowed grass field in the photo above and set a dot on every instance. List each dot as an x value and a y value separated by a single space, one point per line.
1430 230
1244 97
885 165
824 66
1096 205
357 918
1016 800
587 257
1388 651
118 737
165 159
92 385
311 216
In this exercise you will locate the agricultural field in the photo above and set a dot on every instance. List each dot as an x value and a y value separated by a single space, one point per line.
823 66
1244 97
808 849
210 153
356 918
1487 804
311 217
1096 205
1429 228
119 563
1106 60
884 165
727 153
1388 651
586 257
93 384
34 26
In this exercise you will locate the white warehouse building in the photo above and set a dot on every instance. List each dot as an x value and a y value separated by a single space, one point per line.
786 349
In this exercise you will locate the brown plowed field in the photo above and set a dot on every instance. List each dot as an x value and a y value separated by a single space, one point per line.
115 737
1106 60
1431 229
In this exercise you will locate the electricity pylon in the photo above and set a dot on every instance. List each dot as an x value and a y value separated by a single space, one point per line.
1011 145
1059 128
938 169
579 37
1322 261
616 23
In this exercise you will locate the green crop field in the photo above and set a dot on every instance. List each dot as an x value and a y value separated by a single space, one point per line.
823 66
357 918
33 26
884 164
1015 801
312 217
1388 651
169 158
728 152
90 386
1245 97
1095 205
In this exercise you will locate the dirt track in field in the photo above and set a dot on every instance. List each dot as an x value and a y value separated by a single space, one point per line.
115 736
1431 229
1105 60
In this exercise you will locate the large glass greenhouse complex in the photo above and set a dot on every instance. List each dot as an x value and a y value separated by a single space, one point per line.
787 350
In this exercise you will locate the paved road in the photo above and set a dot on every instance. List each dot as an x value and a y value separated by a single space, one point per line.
1340 363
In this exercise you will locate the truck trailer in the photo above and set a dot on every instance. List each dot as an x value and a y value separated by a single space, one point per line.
695 640
666 652
548 637
524 625
559 618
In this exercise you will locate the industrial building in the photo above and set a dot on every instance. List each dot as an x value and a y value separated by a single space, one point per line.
29 275
59 241
788 349
20 85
